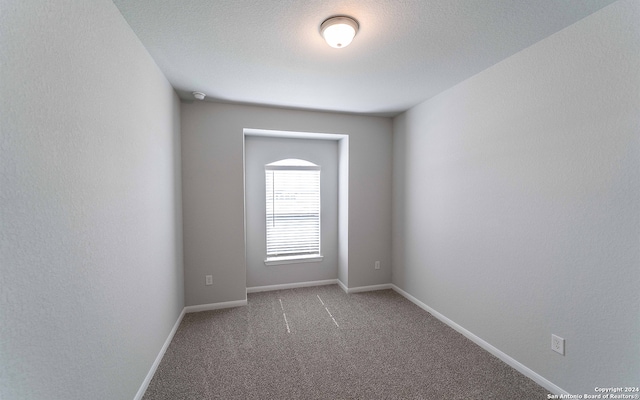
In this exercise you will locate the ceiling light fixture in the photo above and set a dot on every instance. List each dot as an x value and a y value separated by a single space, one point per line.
199 95
339 31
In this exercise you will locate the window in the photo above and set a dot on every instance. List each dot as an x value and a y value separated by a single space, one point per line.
293 211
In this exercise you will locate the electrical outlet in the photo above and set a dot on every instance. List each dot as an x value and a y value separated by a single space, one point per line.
557 344
209 280
377 265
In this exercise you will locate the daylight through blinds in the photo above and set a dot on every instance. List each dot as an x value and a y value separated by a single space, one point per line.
293 209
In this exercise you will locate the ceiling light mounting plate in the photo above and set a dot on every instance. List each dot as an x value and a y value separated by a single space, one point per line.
339 30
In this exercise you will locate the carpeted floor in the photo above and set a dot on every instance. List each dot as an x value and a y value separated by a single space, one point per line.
320 343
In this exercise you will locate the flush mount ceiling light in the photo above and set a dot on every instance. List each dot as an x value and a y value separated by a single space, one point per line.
199 95
339 31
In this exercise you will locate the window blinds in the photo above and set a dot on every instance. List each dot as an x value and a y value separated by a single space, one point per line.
293 210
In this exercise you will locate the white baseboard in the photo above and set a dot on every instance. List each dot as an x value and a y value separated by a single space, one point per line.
371 288
269 288
154 366
215 306
540 380
359 289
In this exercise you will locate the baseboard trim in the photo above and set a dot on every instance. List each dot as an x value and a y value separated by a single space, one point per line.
343 286
370 288
283 286
540 380
156 363
215 306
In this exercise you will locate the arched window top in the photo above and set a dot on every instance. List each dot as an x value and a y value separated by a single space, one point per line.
291 163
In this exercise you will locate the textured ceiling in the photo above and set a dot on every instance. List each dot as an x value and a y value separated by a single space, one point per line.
270 51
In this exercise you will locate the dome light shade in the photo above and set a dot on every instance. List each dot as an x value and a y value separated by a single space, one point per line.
339 31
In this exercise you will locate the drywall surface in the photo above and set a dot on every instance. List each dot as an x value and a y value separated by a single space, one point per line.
343 212
213 192
260 151
516 210
91 278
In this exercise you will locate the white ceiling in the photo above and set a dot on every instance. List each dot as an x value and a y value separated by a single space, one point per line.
270 52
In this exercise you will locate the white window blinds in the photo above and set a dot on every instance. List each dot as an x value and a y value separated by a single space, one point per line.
293 208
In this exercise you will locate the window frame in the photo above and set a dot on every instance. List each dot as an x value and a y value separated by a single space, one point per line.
293 165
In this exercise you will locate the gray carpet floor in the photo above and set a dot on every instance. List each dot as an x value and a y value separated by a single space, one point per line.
321 343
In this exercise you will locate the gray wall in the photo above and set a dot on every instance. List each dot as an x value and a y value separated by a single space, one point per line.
516 210
91 277
260 151
213 193
343 213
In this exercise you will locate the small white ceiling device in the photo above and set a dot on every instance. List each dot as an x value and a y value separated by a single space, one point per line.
199 95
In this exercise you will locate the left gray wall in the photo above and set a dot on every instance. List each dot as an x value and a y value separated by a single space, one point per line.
91 275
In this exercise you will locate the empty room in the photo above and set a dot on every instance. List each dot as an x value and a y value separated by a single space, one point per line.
381 199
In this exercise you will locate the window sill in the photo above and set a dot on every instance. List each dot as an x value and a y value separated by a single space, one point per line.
293 260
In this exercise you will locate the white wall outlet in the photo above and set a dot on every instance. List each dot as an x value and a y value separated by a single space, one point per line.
377 265
557 344
209 280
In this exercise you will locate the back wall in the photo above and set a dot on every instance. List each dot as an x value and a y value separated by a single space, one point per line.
213 193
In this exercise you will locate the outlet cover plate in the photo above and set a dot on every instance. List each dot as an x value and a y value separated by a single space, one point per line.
209 280
557 344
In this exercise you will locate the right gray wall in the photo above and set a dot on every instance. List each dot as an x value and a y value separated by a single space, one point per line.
516 203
